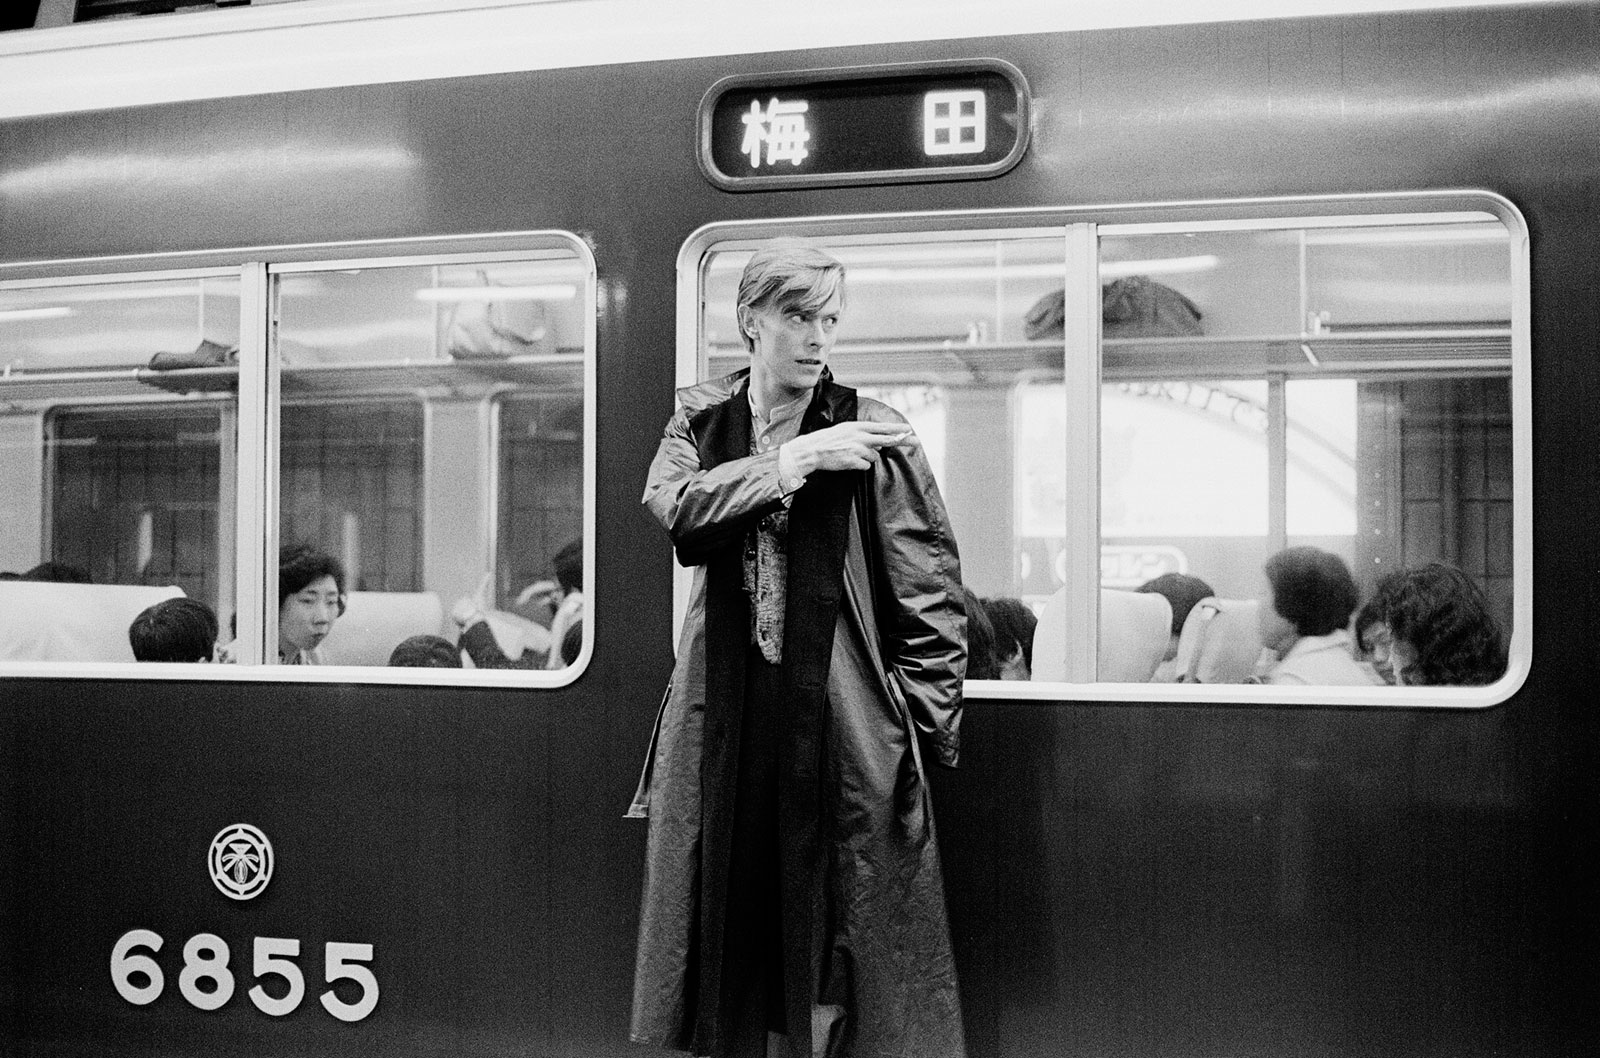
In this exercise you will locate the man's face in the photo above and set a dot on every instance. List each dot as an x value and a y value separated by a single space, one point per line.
791 348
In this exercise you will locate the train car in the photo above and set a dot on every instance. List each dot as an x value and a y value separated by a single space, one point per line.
1162 291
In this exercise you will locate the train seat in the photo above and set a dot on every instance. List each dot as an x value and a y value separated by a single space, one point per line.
1220 643
50 621
1134 631
375 622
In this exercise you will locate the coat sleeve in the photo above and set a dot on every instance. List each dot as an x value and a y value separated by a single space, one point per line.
923 618
706 510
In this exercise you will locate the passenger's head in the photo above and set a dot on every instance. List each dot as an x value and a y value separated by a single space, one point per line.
310 597
178 629
571 643
1373 641
1311 593
982 664
568 566
426 652
1182 591
58 572
1013 623
1441 629
790 298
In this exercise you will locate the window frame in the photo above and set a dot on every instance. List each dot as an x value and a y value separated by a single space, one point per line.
1084 227
259 410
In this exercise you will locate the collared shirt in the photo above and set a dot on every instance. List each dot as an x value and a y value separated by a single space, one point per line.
1322 661
775 431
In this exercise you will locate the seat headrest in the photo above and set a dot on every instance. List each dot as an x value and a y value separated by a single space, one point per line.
1134 630
375 622
52 621
1220 643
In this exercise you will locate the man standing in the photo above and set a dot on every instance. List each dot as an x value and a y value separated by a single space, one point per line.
793 884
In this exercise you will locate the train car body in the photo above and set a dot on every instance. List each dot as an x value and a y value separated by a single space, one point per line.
1217 870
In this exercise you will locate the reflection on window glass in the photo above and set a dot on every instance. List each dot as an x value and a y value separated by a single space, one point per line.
117 440
1295 424
431 463
166 323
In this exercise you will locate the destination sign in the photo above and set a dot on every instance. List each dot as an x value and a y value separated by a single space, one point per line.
956 120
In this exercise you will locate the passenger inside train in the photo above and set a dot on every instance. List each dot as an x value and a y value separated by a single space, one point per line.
545 631
426 652
1182 592
1432 626
311 597
1304 616
180 629
1013 624
983 657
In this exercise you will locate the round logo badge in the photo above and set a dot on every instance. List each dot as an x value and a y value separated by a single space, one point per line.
241 861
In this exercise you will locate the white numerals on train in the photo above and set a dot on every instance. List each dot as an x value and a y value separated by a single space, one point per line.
207 982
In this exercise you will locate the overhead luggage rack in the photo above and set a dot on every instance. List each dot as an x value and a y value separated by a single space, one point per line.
1398 351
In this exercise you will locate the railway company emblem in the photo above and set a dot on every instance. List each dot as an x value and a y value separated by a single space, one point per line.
241 861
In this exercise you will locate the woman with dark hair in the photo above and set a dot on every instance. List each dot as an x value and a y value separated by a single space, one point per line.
1303 618
1439 628
310 598
983 663
1184 593
1013 623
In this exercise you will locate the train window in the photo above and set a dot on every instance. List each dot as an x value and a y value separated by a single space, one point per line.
1214 449
1290 416
118 436
310 465
432 461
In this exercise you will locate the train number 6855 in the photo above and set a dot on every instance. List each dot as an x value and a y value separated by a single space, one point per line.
205 958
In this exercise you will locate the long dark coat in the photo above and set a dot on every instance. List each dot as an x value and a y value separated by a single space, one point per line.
874 655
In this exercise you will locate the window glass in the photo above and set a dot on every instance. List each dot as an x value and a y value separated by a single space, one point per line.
1290 416
431 459
118 426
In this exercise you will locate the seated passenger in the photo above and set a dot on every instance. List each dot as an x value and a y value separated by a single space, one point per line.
1182 591
1440 629
310 599
525 645
1013 623
181 629
572 644
982 662
1373 645
426 652
1303 617
563 596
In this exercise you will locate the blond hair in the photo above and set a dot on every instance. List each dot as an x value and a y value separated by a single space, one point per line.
790 275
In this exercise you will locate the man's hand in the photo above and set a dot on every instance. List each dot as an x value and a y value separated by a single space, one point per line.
847 445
